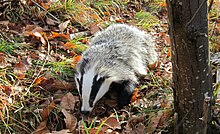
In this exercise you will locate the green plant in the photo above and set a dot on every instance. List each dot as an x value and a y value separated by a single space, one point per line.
146 19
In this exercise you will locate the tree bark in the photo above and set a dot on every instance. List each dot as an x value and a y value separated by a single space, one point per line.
188 27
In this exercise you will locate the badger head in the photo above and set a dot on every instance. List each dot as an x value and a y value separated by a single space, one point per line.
91 84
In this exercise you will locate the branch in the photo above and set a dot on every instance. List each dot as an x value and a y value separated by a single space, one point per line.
46 11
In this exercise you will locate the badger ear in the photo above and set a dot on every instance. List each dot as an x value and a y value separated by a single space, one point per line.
124 90
125 94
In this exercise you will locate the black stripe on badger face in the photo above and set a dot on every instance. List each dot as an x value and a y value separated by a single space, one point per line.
95 88
82 72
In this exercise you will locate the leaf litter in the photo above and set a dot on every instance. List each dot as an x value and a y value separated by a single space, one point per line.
38 80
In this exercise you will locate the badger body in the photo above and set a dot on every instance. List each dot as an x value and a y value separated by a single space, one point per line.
116 58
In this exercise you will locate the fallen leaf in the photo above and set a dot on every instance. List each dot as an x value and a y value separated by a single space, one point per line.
164 4
39 80
50 21
113 123
154 121
70 120
58 95
94 28
61 84
2 56
140 128
46 111
69 45
164 118
134 95
64 25
56 35
52 85
37 34
45 5
133 121
169 52
155 65
95 130
42 128
68 102
76 59
6 22
64 131
20 70
6 89
167 39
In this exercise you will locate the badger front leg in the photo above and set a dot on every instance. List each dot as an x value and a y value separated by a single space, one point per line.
125 93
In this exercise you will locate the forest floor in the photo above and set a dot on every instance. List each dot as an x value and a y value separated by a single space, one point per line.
40 45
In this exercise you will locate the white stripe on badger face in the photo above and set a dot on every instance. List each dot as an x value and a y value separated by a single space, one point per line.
103 90
87 88
78 76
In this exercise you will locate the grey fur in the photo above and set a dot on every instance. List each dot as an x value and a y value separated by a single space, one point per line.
120 52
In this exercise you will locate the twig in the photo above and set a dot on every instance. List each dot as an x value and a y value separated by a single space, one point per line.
46 11
194 15
210 5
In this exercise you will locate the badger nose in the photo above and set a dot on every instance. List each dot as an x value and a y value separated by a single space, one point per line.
85 112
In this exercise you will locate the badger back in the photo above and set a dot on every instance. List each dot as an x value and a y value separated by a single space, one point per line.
132 45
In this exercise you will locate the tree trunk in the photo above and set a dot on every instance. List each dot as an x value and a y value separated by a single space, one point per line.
191 66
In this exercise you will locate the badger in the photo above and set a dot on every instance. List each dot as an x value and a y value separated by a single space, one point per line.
116 58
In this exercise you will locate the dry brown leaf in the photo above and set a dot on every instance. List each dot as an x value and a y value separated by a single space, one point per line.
5 23
70 120
113 123
2 56
166 116
6 89
94 28
169 52
46 111
94 131
133 121
51 85
64 131
134 95
37 34
39 80
50 21
155 65
63 85
64 25
140 128
76 59
154 121
69 45
167 39
68 102
42 128
56 35
20 70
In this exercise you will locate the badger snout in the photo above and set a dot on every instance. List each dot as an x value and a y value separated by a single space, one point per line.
85 112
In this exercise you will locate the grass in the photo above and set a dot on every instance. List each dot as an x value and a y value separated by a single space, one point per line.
146 20
62 69
8 47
